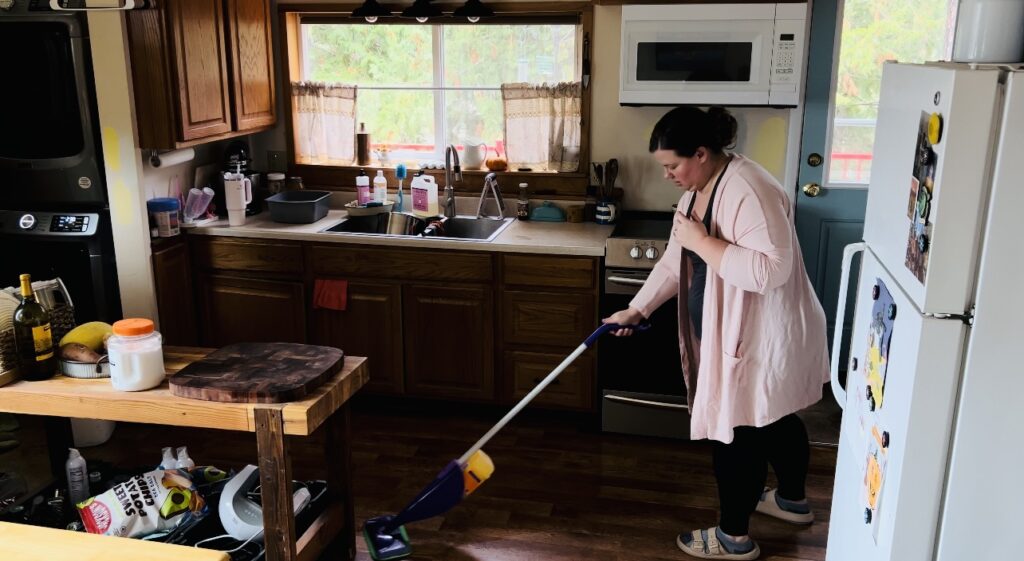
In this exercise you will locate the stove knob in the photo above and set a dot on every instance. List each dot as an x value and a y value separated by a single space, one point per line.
636 252
652 253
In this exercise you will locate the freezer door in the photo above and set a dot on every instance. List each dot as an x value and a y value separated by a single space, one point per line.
984 495
901 387
929 196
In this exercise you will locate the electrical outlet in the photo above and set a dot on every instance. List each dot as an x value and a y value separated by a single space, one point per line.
277 160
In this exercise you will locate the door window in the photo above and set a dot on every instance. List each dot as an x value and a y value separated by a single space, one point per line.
872 32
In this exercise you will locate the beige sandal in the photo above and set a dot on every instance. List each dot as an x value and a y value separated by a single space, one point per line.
768 505
704 544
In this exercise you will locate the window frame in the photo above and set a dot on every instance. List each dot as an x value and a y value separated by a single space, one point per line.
572 185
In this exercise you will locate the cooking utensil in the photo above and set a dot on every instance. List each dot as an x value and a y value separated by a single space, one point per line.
611 172
599 172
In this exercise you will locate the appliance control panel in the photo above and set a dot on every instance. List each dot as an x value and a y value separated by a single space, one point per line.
634 253
48 223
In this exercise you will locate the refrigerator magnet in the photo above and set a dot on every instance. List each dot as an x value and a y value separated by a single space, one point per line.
934 128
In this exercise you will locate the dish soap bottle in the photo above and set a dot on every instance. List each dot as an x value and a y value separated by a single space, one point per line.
380 187
424 196
362 188
523 205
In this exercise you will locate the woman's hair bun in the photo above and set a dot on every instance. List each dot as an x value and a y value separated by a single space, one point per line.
686 128
723 127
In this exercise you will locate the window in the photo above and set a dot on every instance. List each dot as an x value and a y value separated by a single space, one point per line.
422 87
874 31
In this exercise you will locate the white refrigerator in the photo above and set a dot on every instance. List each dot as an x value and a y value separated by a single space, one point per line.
931 451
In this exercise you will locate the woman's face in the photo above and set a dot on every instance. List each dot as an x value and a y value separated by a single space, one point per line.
690 173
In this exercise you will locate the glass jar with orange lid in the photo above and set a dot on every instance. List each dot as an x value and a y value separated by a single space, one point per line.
136 355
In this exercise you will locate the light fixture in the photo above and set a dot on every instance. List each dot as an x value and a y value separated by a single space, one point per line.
473 10
422 10
370 10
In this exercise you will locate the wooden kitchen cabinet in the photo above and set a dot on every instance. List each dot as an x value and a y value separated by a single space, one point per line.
172 272
235 309
538 318
370 326
202 70
573 389
449 341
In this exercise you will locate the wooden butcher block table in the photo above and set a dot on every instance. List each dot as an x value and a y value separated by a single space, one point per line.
325 405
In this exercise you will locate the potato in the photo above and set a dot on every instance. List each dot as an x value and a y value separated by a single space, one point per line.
78 352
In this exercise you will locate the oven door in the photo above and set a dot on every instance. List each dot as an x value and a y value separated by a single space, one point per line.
696 57
641 377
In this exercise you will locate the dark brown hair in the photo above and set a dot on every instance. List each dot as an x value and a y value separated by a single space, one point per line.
686 128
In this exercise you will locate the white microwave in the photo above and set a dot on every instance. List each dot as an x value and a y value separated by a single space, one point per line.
712 54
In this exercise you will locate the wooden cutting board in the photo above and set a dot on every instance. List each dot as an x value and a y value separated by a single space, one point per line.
258 373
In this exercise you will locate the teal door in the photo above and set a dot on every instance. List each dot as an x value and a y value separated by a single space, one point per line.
828 217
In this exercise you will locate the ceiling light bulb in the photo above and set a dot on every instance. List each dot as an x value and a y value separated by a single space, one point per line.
371 19
473 19
422 20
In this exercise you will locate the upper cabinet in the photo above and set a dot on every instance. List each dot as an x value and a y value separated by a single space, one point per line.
203 70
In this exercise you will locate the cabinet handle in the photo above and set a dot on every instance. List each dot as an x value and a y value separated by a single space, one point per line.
627 281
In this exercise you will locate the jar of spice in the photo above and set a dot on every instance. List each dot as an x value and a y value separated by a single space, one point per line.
275 183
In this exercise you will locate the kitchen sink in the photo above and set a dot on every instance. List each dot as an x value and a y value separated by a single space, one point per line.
397 224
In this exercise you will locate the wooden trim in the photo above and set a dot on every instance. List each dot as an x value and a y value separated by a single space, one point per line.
275 467
498 7
554 185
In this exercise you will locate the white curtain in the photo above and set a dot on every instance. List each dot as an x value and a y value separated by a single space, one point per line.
542 125
324 123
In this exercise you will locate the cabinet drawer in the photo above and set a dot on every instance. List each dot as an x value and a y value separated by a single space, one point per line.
548 319
386 262
236 255
558 272
572 389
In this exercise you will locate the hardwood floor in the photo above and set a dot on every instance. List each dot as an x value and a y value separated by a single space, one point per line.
561 490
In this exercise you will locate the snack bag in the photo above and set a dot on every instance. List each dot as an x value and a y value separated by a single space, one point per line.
145 504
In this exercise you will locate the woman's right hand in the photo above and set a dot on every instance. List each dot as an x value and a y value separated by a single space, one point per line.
629 316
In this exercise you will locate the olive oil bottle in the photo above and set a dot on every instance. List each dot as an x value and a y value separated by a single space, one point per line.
32 336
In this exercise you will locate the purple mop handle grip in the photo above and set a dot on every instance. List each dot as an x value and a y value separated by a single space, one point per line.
643 326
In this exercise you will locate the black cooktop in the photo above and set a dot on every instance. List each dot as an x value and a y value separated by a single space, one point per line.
644 226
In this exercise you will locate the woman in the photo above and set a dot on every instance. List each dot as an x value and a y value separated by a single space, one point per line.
748 316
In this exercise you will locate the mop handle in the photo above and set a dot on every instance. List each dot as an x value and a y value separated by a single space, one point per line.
544 383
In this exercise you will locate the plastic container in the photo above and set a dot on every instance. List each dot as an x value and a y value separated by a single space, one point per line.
275 183
78 477
299 207
424 196
136 356
91 432
362 188
380 187
163 217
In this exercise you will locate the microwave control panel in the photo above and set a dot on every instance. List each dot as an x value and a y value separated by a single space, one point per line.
788 53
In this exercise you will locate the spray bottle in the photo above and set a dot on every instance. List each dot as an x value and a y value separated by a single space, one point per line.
184 461
78 477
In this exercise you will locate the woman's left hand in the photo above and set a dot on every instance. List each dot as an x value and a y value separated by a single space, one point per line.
688 232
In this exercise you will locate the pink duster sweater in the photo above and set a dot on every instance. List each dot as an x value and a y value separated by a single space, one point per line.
763 354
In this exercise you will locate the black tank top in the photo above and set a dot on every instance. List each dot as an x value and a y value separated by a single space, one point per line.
698 281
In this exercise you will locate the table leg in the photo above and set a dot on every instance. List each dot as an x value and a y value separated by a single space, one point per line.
58 439
338 453
276 481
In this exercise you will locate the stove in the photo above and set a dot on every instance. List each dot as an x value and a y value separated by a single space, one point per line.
640 377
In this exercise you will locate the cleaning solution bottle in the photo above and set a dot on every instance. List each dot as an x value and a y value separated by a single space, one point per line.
400 175
380 187
78 477
362 188
168 461
424 195
184 461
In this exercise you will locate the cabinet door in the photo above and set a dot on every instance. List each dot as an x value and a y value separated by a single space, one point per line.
548 319
172 271
370 326
449 341
197 32
573 389
235 310
252 63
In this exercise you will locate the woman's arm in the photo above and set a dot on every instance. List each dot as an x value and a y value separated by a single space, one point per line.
761 258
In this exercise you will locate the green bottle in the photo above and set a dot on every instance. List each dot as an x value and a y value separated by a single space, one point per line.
32 336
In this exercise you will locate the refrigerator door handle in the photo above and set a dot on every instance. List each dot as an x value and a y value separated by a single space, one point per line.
837 334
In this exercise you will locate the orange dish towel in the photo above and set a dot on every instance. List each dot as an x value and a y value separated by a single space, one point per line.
330 294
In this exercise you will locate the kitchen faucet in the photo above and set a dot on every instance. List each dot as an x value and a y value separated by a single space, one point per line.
491 184
450 153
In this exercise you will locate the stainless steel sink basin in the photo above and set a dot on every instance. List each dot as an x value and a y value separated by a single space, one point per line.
405 225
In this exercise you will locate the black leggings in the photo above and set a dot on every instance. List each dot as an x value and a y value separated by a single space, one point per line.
741 468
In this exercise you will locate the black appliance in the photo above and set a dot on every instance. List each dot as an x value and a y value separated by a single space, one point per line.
640 377
75 246
49 147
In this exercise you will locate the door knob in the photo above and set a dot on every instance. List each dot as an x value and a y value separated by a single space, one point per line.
812 189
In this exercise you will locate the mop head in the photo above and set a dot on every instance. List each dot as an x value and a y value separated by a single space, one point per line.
383 545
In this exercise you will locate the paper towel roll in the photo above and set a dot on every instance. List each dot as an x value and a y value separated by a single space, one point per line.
172 158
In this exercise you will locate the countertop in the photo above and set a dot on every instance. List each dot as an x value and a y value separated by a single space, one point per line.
550 238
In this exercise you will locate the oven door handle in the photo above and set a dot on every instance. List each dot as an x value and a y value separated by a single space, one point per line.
646 402
627 281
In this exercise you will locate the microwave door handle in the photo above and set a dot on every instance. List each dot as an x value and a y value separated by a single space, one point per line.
646 402
627 281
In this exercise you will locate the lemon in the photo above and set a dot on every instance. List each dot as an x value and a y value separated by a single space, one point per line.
90 334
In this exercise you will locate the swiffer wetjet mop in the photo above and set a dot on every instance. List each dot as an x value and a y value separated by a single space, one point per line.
385 535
